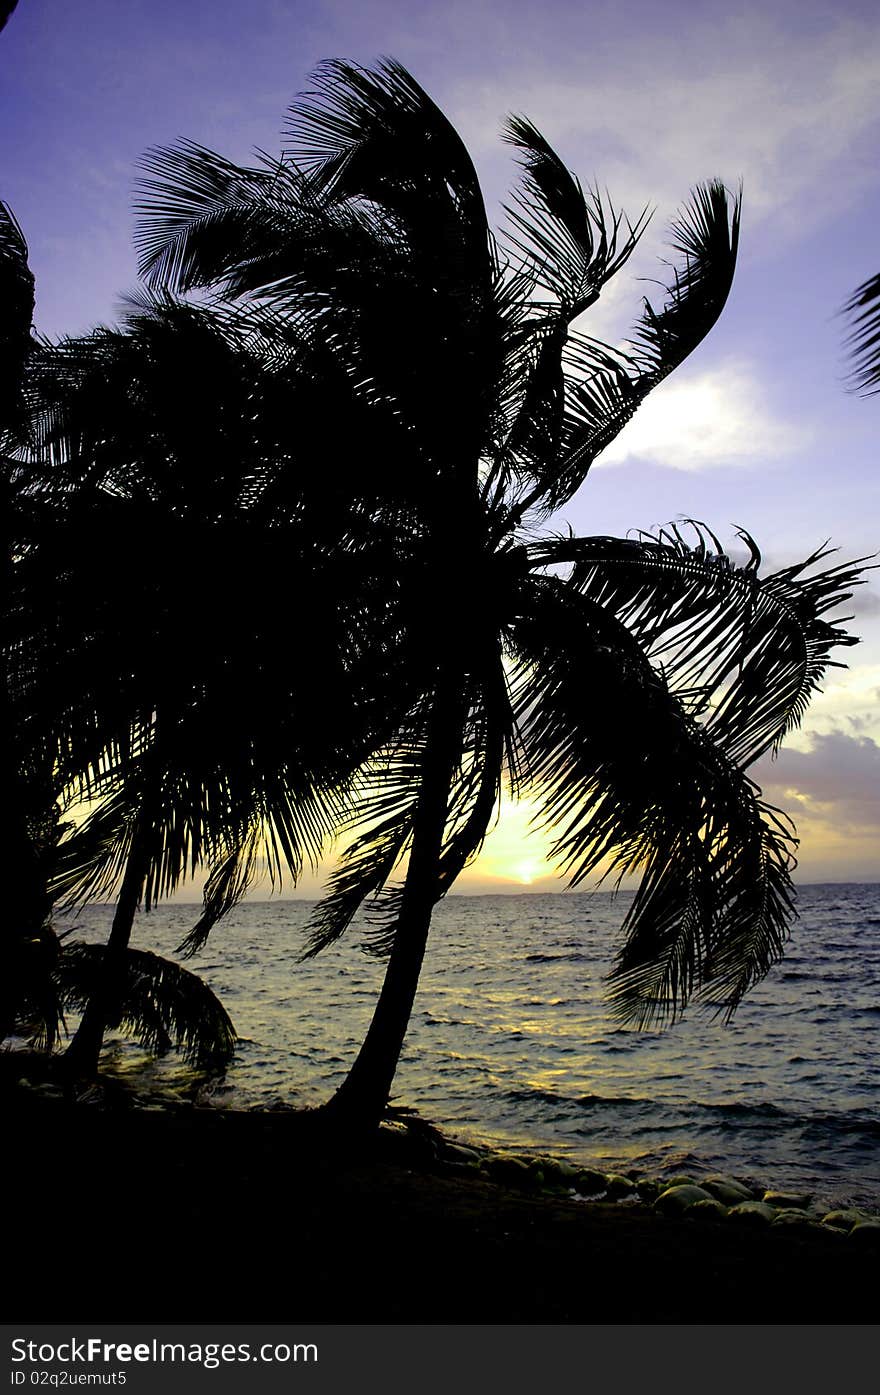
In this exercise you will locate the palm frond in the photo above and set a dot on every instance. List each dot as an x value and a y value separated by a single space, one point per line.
17 276
16 313
863 342
376 135
372 224
388 806
29 1000
211 733
571 244
709 925
749 651
607 386
161 1004
535 406
382 828
198 213
271 236
92 858
486 748
189 809
632 784
706 236
227 883
385 155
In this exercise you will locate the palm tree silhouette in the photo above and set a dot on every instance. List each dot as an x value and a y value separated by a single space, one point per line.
628 683
28 947
153 451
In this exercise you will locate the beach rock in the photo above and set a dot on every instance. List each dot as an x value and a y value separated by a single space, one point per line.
865 1233
794 1219
675 1201
754 1213
648 1189
401 1143
681 1179
788 1201
842 1220
171 1100
565 1169
44 1091
617 1185
707 1210
544 1169
557 1172
727 1190
588 1182
510 1171
461 1156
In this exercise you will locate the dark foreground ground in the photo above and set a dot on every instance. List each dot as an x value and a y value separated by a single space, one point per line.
200 1216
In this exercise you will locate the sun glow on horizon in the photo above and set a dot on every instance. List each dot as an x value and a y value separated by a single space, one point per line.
525 872
514 851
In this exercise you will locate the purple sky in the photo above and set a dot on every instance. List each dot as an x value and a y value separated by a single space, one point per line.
645 98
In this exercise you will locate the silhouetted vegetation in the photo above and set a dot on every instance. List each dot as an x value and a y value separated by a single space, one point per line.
70 633
28 949
863 341
301 579
628 683
181 726
6 9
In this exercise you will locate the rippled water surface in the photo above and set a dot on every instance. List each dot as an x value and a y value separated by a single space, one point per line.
511 1041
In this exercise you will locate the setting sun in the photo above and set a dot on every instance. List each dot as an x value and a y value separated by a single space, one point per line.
515 851
525 871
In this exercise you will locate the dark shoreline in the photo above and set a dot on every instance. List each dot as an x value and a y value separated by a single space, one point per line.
185 1216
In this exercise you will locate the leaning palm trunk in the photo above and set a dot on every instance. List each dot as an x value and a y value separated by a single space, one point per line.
81 1058
360 1101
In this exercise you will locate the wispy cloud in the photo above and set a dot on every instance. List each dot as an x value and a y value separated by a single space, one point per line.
789 107
702 421
849 703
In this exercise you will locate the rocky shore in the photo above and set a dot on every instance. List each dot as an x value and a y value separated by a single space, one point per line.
184 1215
709 1198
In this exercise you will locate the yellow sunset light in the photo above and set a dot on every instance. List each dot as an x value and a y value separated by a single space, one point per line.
525 872
514 851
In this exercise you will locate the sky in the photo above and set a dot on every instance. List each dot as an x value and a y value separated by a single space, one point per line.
645 100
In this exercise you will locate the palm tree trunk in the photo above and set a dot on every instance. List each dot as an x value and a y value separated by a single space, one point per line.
360 1101
81 1057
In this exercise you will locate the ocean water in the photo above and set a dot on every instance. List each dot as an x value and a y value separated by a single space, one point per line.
511 1043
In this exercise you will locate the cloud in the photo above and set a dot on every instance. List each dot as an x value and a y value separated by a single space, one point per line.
832 791
849 702
704 421
865 602
789 107
836 781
